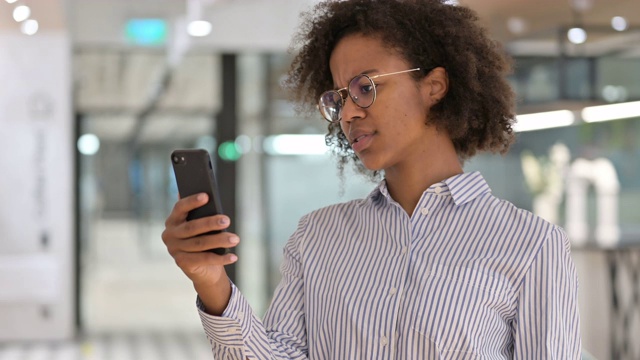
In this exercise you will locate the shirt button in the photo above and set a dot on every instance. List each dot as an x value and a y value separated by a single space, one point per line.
231 331
384 341
393 291
424 211
438 190
240 315
404 250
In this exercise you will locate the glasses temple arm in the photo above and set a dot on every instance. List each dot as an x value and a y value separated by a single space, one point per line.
394 73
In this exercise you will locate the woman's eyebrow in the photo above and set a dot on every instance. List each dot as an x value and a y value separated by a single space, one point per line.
366 72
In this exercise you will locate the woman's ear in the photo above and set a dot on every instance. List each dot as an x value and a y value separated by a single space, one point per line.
435 85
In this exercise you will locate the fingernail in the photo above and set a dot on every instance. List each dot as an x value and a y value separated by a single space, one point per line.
234 239
233 258
223 221
201 197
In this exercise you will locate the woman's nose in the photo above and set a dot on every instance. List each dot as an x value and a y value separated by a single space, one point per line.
351 111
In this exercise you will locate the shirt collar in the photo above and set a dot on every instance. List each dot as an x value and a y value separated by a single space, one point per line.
463 188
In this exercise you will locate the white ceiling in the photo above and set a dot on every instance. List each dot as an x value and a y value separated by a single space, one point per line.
254 25
543 15
269 24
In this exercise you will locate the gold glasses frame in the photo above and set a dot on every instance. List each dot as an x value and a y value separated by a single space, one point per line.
346 91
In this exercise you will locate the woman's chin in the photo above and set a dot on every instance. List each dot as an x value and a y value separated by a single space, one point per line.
371 164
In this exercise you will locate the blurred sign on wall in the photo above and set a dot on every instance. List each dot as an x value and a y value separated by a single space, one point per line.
36 188
146 32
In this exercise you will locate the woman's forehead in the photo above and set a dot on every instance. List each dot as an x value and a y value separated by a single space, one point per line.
358 54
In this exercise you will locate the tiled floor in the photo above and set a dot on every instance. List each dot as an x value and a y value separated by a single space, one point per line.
115 347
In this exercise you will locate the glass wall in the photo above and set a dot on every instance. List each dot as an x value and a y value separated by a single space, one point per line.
545 80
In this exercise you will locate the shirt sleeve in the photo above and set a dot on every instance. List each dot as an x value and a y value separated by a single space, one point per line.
547 324
239 334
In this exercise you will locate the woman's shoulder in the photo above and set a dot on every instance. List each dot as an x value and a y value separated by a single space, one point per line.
348 208
505 222
338 209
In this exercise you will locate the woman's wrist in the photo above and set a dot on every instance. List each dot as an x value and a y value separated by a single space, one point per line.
214 296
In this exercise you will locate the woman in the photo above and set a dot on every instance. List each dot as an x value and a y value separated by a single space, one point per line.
430 265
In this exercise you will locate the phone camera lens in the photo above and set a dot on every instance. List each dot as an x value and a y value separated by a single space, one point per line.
176 159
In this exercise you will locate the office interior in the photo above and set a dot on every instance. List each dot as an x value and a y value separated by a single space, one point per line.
96 94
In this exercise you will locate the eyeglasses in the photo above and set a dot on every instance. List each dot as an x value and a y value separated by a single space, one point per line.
361 90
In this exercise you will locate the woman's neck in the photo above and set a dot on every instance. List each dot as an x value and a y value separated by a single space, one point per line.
408 181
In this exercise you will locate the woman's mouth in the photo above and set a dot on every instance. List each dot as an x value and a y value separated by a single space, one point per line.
361 142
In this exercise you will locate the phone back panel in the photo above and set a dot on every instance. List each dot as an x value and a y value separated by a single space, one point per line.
194 174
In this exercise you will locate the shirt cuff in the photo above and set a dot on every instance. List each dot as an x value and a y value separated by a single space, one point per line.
233 326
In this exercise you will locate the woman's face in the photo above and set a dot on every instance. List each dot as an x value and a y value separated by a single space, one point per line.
392 132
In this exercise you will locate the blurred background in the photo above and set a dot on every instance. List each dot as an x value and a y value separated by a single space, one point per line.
95 94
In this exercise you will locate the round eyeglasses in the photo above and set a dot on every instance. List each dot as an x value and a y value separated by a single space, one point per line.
361 90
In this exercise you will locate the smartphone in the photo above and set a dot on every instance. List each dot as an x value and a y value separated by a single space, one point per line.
194 174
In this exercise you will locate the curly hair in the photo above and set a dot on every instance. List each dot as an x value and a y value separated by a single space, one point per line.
478 111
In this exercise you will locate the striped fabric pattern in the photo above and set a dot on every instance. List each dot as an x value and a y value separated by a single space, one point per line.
467 276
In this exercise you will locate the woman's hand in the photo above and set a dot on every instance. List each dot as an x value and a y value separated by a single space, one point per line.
188 247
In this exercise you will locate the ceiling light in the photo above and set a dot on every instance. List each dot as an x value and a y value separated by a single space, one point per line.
544 120
582 5
619 23
611 112
516 25
229 151
243 142
11 1
614 94
88 144
199 28
21 13
577 35
29 27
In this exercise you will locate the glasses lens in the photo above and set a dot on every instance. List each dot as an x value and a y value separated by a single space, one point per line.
330 105
362 91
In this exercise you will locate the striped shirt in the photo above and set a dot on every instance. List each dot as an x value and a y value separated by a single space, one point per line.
467 276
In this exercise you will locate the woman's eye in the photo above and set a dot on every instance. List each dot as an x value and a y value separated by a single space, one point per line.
366 88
